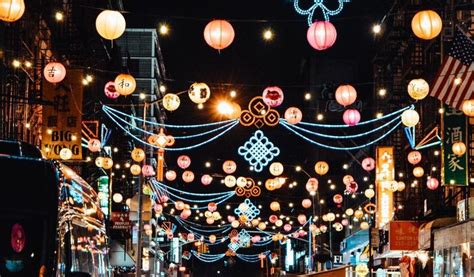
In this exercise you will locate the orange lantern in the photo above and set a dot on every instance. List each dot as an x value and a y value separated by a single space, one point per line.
147 170
293 115
179 205
125 84
426 24
262 226
276 169
418 171
306 203
107 163
93 145
358 214
321 167
459 148
275 206
54 72
210 220
170 175
229 167
219 34
184 161
414 157
11 10
135 169
188 176
347 179
138 155
346 95
468 107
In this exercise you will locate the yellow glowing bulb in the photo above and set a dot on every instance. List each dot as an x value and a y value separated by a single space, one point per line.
376 28
320 117
268 34
200 106
164 29
457 81
382 92
233 93
16 63
142 95
225 108
59 16
307 96
28 64
379 115
89 78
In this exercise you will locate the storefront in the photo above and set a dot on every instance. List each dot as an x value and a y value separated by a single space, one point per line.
353 246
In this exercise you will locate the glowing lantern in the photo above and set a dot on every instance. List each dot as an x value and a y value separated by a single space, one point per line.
212 238
401 186
179 205
185 214
347 179
210 220
287 227
170 175
65 153
206 179
199 93
117 197
418 171
368 164
312 185
293 115
362 270
351 117
414 157
306 203
364 225
99 161
393 186
410 118
338 226
163 199
184 161
255 222
11 10
208 214
110 24
94 145
426 24
301 219
279 223
273 218
125 84
229 167
323 228
369 193
432 183
138 155
158 208
171 102
212 207
236 111
147 170
54 72
219 34
235 224
321 168
262 226
188 176
321 35
273 96
468 107
345 222
241 182
230 181
346 95
337 199
459 148
110 91
135 169
256 239
358 214
352 187
275 206
418 89
276 169
190 237
349 212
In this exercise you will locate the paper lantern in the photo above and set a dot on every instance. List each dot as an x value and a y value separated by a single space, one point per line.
321 168
323 228
206 179
345 222
358 214
241 182
184 161
338 226
158 208
331 217
410 118
243 207
138 154
426 24
147 170
110 24
351 117
306 203
229 167
362 270
401 186
393 186
110 91
414 157
11 10
273 218
210 220
418 89
347 179
135 169
368 164
321 35
346 95
171 102
163 199
179 205
212 207
287 227
364 225
230 218
352 187
212 238
279 223
235 224
302 219
125 84
54 72
185 214
170 175
273 96
256 238
312 185
275 206
418 171
432 183
219 34
199 93
262 226
65 153
190 237
255 222
208 214
94 145
230 181
337 199
293 115
99 161
276 169
459 148
369 193
468 107
188 176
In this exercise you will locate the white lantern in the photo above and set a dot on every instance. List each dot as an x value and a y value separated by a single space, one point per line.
410 118
110 24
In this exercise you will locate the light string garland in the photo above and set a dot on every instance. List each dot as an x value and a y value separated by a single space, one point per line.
319 4
211 258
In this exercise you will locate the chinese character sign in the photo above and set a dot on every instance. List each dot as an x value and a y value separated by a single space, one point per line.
403 235
455 130
385 176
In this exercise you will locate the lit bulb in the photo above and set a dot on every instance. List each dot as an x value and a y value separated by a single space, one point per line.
200 106
28 64
320 117
16 63
268 35
207 164
307 96
298 168
457 81
382 92
376 28
162 88
379 115
142 95
59 16
233 93
164 29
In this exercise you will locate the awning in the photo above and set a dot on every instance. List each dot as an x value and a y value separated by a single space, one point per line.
120 257
425 237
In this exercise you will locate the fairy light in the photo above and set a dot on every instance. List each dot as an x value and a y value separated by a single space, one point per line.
320 117
16 63
379 115
127 165
142 95
382 92
59 16
207 164
164 29
332 187
457 81
28 64
200 106
233 93
298 168
27 125
49 131
321 201
115 149
88 159
162 88
89 78
436 153
307 96
268 34
345 166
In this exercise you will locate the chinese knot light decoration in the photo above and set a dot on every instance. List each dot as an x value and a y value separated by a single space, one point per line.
321 35
418 171
410 118
125 84
273 96
346 95
229 167
351 117
418 89
276 168
138 155
312 185
171 102
432 183
188 176
110 24
110 91
275 206
11 10
219 34
184 161
426 24
293 115
147 170
170 175
459 148
321 168
368 164
414 157
54 72
199 93
206 179
94 145
306 203
65 153
468 107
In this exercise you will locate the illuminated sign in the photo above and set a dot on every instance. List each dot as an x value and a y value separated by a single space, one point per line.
384 179
103 194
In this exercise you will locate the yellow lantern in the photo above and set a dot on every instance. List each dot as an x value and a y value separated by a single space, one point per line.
171 102
107 163
276 169
65 153
410 118
199 93
369 193
358 214
459 148
468 107
275 206
235 224
125 84
255 222
99 161
401 186
138 155
230 181
349 212
110 24
262 226
11 10
364 225
241 182
279 223
418 89
135 169
321 167
418 172
426 24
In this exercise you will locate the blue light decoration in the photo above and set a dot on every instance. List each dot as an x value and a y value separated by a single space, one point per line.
319 4
207 258
244 238
234 246
258 151
251 212
410 134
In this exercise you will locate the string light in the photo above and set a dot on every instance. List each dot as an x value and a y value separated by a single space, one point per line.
164 29
298 168
436 153
200 106
319 5
379 115
233 93
162 88
441 110
27 125
268 35
28 64
207 164
376 29
142 95
332 187
320 117
457 81
89 78
307 96
345 166
16 63
59 16
382 92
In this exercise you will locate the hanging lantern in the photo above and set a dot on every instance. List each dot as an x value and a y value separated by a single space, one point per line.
170 175
459 148
230 181
338 226
347 179
401 186
349 212
418 171
138 155
302 219
190 237
110 24
241 182
236 111
321 168
345 222
276 169
256 238
212 238
229 167
255 222
206 179
65 153
418 89
426 24
275 206
54 72
293 115
321 35
11 10
171 102
179 205
337 199
306 203
125 84
271 184
432 183
99 161
323 228
410 118
287 227
358 214
351 117
158 208
184 161
94 145
279 223
346 95
235 224
364 225
219 34
368 164
212 207
312 185
369 193
273 218
262 226
147 170
135 169
273 96
199 93
110 91
468 107
188 176
414 157
352 187
331 217
185 214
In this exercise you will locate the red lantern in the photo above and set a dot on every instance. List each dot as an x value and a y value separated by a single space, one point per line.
301 219
337 199
184 161
219 34
54 72
414 157
110 91
273 96
321 35
346 95
147 170
212 207
368 164
293 115
347 179
94 145
18 238
188 176
206 179
229 167
170 175
306 203
352 187
312 185
287 227
351 117
273 218
432 183
185 213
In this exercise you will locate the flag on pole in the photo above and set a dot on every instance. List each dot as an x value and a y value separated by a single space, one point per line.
454 81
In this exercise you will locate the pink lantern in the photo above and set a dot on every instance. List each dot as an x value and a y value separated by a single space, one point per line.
432 183
54 72
230 218
345 222
312 185
302 233
147 170
306 203
273 96
321 35
234 238
94 145
368 164
293 115
414 157
212 207
185 213
170 175
229 167
352 187
110 91
219 34
179 205
158 208
164 199
256 239
301 219
18 238
206 179
184 161
351 117
188 176
347 179
337 199
287 227
346 95
190 237
212 238
210 220
273 218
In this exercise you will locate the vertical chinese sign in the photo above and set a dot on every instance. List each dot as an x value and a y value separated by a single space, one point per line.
62 118
455 168
384 177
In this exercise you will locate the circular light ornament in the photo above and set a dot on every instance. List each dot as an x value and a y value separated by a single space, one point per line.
358 214
459 148
206 179
287 227
338 226
230 181
219 34
432 183
293 115
11 10
312 185
229 167
117 197
94 145
418 89
171 102
65 153
369 193
279 223
346 95
262 226
125 84
275 206
170 175
184 161
199 93
426 24
368 164
414 157
321 35
273 96
212 207
110 24
410 118
110 91
212 238
321 168
276 169
351 117
241 182
306 203
362 270
418 171
135 169
401 186
54 72
138 155
188 176
349 212
468 107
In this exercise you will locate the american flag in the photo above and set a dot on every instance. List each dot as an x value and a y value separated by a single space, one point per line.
454 81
